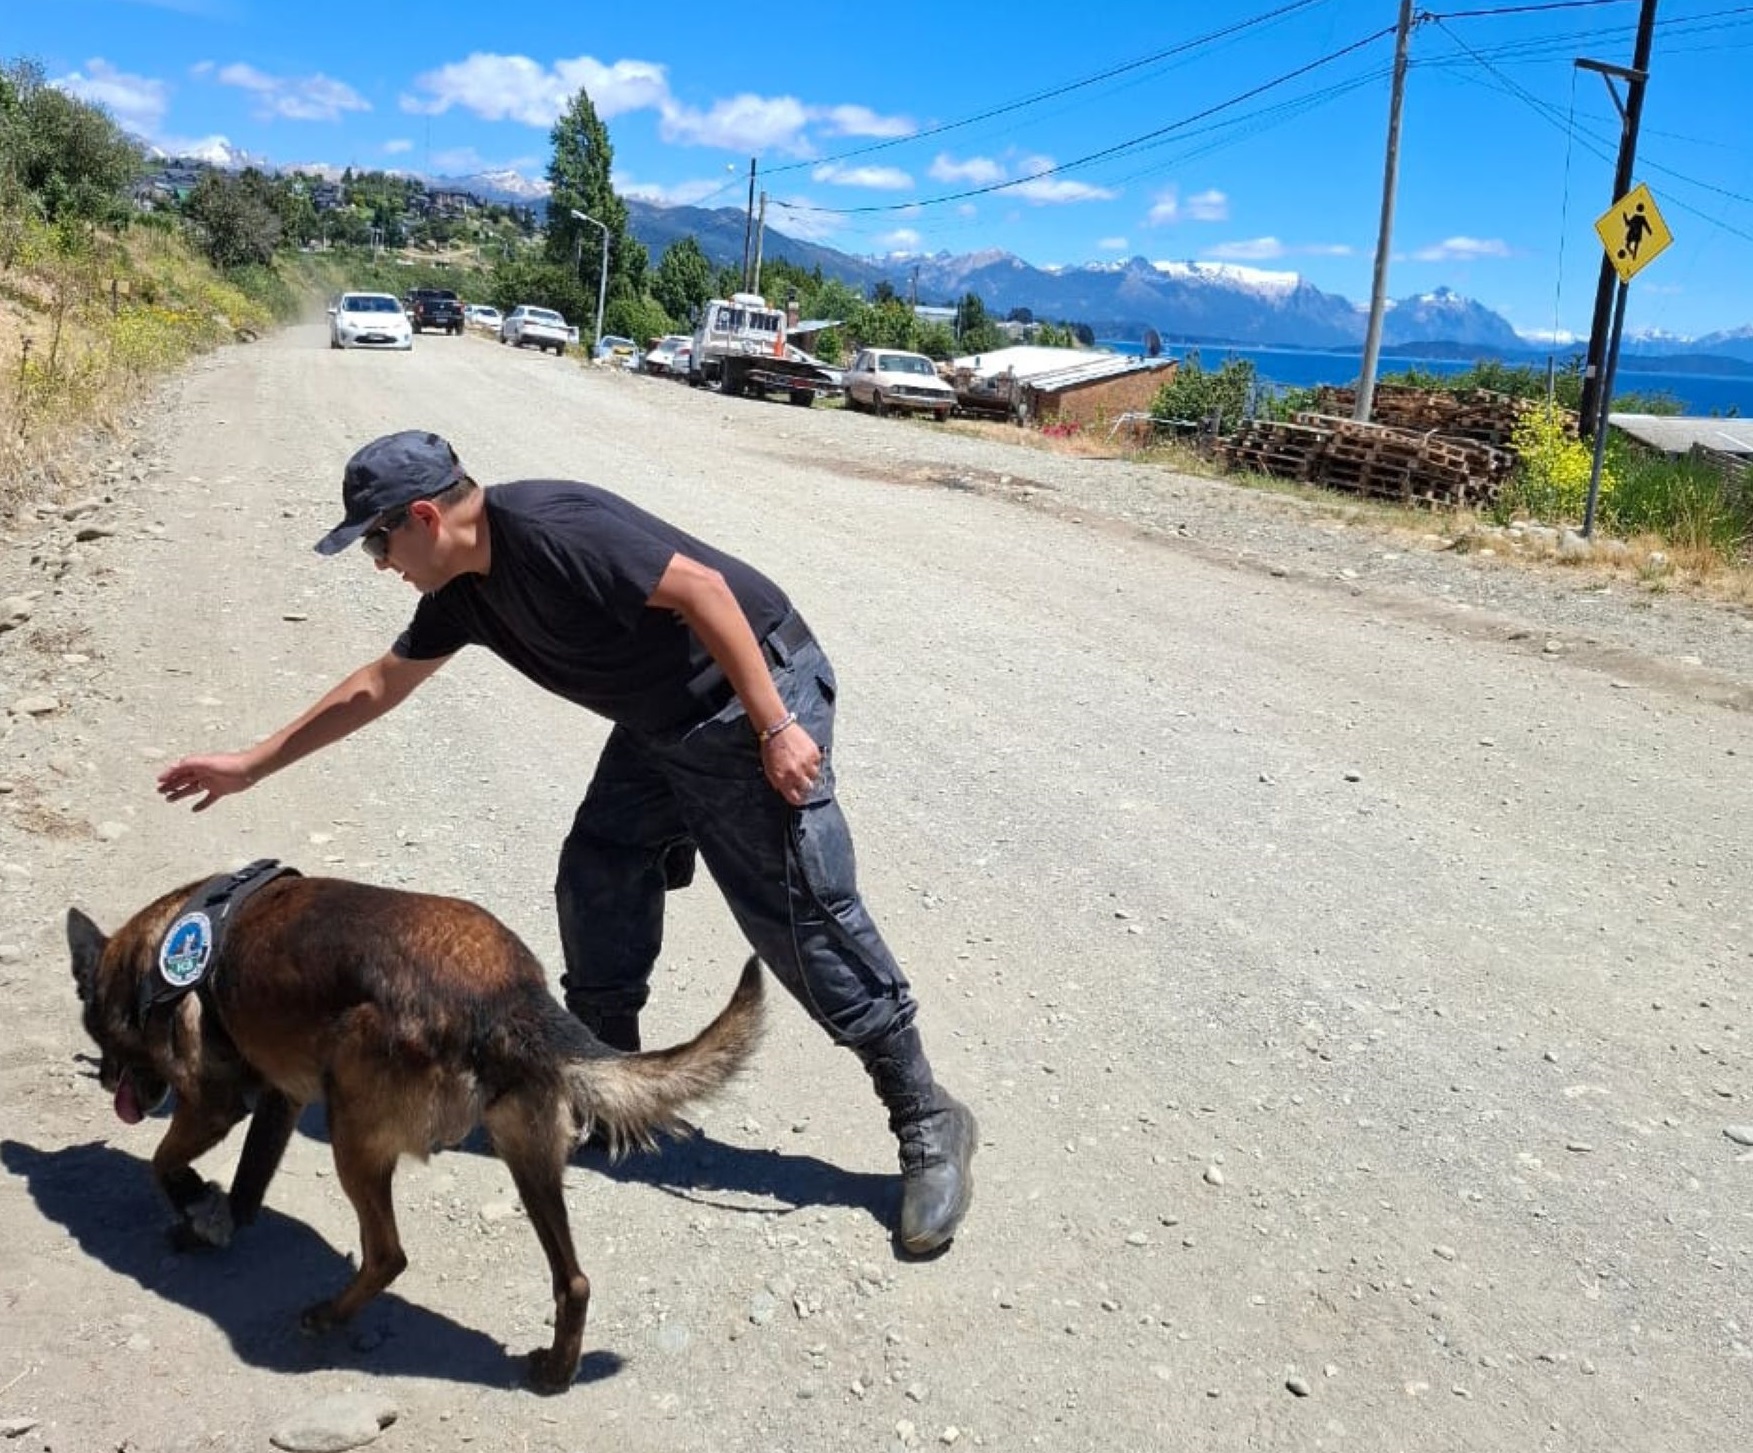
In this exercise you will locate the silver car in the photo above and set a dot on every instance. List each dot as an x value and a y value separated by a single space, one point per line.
891 380
369 320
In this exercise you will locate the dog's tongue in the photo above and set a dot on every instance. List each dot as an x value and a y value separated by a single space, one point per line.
128 1102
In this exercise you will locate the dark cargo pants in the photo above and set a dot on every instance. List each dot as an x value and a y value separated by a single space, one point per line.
788 874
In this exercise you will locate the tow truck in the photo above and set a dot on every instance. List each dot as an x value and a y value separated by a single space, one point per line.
740 348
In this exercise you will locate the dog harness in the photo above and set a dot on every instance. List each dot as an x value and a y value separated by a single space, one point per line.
191 945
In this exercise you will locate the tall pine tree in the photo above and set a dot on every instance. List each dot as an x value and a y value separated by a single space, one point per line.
579 175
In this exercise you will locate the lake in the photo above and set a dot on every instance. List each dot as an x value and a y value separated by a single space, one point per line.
1699 394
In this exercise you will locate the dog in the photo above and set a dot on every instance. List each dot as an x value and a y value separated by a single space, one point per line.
415 1018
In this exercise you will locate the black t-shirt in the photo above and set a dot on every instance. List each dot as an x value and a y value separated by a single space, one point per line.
564 602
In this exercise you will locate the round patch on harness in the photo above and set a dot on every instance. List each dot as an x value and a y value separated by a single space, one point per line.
182 958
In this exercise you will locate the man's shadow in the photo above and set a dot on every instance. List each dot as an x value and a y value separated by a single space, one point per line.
254 1290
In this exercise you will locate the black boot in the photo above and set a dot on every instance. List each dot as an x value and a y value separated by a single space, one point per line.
937 1135
618 1031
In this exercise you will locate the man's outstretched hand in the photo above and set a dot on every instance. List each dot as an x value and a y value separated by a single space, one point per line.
215 777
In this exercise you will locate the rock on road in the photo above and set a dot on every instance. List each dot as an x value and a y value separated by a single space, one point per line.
1354 995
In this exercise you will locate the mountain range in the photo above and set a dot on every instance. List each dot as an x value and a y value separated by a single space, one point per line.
1185 302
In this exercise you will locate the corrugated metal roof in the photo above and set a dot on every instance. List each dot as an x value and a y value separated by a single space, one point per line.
1111 365
1025 360
1677 435
1052 369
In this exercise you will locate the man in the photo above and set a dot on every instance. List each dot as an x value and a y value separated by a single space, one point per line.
723 712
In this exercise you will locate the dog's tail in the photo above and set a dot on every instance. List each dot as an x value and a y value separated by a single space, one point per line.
632 1098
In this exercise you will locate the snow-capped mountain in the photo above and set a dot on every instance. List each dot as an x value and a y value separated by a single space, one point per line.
213 151
502 185
1446 315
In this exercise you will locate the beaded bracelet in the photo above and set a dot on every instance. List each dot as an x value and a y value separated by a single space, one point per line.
766 734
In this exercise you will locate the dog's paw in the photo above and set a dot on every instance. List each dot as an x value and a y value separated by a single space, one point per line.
549 1373
320 1317
206 1221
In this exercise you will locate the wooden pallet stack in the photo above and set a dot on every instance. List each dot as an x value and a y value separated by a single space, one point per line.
1477 413
1283 450
1378 460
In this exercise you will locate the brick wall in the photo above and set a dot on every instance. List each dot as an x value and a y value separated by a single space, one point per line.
1102 400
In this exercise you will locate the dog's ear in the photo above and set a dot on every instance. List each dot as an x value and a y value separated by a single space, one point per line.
87 941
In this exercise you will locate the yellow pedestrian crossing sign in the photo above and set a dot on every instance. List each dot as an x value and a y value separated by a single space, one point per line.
1632 231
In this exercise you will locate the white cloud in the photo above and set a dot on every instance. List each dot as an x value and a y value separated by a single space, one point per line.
1327 249
516 88
1255 249
902 239
861 121
978 171
397 147
1209 206
1113 244
614 90
295 98
678 194
746 123
1463 249
882 178
1052 191
137 102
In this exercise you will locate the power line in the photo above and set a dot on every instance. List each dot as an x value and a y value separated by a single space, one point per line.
1119 70
1117 149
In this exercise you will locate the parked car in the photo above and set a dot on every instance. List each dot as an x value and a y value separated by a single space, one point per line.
369 320
483 316
528 326
660 358
436 308
888 380
617 351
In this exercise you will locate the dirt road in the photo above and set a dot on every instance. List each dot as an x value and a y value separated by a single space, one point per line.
1345 944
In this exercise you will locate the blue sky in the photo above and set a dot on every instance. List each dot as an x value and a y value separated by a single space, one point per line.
1243 131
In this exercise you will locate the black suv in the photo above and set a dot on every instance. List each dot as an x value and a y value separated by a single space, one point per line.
435 308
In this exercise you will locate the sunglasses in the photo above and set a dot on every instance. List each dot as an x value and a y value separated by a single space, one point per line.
376 541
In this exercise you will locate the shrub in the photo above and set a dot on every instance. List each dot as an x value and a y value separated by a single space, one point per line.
1551 482
1197 396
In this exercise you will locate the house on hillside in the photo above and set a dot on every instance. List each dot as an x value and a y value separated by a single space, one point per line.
1058 385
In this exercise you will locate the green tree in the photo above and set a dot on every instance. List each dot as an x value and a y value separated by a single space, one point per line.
235 218
64 155
579 175
977 332
683 280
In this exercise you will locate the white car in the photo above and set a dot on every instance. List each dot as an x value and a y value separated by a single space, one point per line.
889 380
369 320
484 317
528 326
661 358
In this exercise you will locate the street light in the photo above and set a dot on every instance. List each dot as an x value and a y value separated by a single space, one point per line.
602 276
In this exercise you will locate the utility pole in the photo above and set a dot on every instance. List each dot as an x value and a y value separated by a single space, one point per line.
1372 343
760 236
749 226
1630 115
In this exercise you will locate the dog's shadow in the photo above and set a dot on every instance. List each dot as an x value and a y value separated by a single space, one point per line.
695 1167
254 1291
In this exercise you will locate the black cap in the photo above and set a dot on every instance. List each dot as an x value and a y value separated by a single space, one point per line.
386 474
